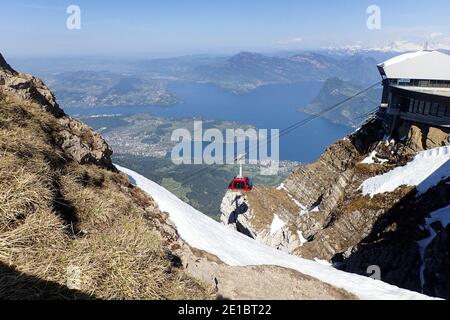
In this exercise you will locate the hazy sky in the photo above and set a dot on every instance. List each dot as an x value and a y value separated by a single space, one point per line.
169 27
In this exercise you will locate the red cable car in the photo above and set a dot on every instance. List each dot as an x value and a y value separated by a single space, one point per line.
240 182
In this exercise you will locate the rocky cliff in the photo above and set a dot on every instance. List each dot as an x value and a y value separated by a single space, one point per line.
320 211
76 139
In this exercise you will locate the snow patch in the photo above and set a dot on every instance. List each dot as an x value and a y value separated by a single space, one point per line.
301 238
426 170
372 158
277 225
236 249
302 207
323 262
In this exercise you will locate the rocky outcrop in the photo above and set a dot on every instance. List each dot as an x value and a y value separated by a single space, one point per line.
335 222
393 244
28 88
256 282
4 66
305 200
76 139
265 219
322 183
423 137
82 143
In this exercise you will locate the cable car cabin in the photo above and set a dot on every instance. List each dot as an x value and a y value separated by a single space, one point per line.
241 183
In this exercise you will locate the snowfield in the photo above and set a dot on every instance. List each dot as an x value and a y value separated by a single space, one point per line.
426 170
236 249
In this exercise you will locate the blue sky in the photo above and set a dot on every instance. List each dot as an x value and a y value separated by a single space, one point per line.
169 27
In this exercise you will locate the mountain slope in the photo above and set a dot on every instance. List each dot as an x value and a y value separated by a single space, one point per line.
246 71
366 202
235 249
71 226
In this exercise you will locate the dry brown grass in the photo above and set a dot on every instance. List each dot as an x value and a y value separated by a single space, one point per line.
372 169
25 187
265 203
113 243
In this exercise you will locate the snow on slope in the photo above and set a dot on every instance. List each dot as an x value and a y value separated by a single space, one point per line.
236 249
424 171
277 225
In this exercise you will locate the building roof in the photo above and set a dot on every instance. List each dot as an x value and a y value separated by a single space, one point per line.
421 65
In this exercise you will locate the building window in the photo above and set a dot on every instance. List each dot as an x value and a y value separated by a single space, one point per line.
396 102
404 104
421 107
434 109
411 106
447 110
404 82
427 108
420 83
441 110
416 106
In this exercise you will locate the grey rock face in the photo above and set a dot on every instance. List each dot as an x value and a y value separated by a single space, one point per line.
256 282
237 214
5 66
83 144
356 232
79 141
274 231
28 88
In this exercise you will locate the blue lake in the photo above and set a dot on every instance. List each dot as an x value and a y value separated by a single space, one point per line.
268 107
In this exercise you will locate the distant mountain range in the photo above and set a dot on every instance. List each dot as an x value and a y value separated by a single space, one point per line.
246 71
92 82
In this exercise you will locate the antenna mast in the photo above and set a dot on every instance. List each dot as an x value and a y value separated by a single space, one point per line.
240 158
